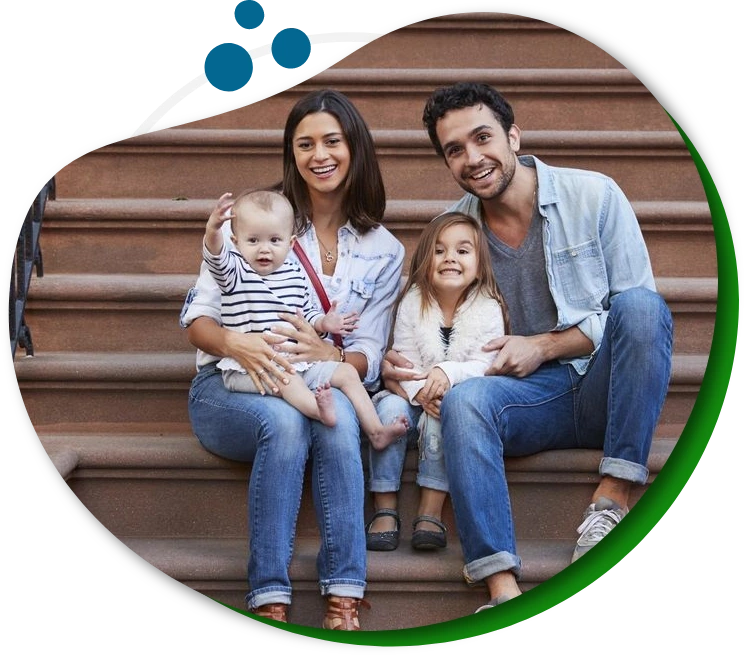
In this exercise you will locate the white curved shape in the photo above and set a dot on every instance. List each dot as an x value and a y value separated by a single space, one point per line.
255 53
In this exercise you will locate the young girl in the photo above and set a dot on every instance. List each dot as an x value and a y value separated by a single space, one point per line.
449 309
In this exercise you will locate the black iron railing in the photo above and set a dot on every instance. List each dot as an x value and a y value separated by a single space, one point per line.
27 255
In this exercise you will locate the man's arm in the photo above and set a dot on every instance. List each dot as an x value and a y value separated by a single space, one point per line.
520 356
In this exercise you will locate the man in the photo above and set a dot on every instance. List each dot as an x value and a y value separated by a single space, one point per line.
588 360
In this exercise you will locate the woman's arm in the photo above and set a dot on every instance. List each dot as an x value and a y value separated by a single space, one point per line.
370 338
254 352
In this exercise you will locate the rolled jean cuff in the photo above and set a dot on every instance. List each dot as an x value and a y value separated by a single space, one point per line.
343 588
432 483
384 486
484 567
623 469
268 595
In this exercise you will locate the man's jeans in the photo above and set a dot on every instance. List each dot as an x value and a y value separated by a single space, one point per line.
614 406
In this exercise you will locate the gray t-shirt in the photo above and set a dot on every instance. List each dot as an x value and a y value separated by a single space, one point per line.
521 276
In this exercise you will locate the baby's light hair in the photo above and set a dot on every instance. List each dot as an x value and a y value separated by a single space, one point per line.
266 199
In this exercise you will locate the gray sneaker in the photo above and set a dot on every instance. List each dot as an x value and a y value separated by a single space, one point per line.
600 517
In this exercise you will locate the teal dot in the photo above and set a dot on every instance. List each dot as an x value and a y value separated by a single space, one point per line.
249 14
290 48
228 67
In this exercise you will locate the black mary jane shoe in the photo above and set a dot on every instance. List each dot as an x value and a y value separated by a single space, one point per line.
429 539
387 540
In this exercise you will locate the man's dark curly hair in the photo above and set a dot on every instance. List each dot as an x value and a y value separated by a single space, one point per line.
460 96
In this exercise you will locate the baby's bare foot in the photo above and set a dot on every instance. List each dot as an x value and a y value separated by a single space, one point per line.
389 433
326 408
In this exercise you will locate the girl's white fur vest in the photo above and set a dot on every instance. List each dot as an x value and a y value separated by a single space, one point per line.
476 322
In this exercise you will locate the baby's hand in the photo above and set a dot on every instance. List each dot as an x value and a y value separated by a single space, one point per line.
336 323
222 212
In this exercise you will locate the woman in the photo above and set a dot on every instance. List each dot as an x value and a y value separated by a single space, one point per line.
332 178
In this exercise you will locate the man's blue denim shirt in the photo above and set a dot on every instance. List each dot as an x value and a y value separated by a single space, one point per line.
593 245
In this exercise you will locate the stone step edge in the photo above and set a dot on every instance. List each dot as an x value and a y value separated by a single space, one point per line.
181 367
131 452
529 80
164 287
149 210
400 139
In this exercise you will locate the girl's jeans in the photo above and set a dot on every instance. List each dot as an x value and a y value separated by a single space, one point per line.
386 466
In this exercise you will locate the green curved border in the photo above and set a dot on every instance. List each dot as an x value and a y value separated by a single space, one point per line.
650 507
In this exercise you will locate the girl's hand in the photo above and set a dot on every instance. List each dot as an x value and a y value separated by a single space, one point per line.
437 384
257 355
309 347
432 407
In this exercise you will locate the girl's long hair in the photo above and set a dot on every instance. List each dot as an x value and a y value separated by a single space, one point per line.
364 197
423 259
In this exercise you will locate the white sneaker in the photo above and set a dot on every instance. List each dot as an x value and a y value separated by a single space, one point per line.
493 603
600 517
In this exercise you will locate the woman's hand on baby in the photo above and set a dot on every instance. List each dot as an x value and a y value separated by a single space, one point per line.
309 347
257 354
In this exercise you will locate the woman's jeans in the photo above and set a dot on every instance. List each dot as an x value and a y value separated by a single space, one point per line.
615 405
278 439
386 466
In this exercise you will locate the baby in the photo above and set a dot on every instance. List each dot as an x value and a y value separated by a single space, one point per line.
258 282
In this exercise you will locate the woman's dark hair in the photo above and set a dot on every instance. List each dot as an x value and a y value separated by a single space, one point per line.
364 198
460 96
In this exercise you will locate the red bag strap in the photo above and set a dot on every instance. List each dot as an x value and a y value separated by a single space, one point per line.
317 284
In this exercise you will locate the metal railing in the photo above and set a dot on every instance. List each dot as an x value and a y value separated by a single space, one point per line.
27 255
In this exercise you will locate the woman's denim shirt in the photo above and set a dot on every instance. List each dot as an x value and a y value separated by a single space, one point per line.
367 280
593 246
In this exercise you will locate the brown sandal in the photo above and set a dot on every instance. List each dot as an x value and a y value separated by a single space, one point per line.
275 611
342 613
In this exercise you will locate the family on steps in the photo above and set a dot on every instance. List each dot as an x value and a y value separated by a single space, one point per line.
522 302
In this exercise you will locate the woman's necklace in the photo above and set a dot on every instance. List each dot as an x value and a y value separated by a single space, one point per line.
329 256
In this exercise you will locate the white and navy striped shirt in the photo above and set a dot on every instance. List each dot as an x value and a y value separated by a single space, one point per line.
251 302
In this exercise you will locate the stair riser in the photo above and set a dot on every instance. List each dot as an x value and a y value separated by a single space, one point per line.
479 44
161 504
157 247
581 108
77 326
67 403
116 173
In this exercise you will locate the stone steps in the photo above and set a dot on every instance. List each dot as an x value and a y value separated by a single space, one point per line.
74 312
147 235
60 388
